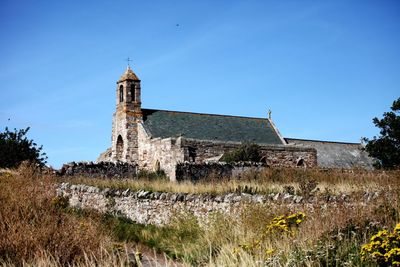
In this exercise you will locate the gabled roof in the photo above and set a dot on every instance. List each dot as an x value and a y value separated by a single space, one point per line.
164 124
336 154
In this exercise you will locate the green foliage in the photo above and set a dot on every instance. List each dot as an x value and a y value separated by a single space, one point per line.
15 147
246 152
386 147
383 248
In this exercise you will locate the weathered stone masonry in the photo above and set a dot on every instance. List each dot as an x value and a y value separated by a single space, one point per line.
275 155
159 207
118 170
124 140
157 153
165 154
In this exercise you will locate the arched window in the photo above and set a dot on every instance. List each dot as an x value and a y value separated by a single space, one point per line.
300 162
121 94
120 147
157 166
133 92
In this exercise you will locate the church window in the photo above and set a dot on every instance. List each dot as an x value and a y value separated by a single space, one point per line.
133 92
121 94
192 154
300 162
157 167
120 147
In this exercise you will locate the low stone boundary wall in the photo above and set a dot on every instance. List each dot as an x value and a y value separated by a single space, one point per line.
99 170
158 208
206 171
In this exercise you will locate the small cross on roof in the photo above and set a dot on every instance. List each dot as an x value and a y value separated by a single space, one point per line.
128 59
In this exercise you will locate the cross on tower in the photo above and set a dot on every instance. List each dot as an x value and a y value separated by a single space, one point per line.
128 59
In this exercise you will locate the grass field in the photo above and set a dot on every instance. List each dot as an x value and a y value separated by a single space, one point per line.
39 229
270 180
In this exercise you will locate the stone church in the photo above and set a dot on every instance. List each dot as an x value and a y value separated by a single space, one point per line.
160 139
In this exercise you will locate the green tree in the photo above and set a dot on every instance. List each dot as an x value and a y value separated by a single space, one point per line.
386 147
15 147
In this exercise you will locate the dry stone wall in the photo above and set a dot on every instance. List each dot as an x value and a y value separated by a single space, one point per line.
99 170
160 207
150 207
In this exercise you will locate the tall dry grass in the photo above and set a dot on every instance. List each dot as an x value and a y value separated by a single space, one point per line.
45 259
35 230
270 180
33 227
331 234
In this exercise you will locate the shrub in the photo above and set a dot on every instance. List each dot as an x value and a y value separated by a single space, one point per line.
286 225
15 147
245 152
383 248
386 147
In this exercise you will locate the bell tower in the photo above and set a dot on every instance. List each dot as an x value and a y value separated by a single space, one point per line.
128 113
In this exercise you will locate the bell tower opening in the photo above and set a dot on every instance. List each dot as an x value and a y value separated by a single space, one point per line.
121 94
133 87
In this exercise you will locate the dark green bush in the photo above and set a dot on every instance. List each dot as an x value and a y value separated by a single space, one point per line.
245 152
386 147
15 148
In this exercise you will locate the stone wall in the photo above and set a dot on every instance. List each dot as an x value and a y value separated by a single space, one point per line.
157 153
159 208
124 124
289 156
105 156
208 171
99 170
199 151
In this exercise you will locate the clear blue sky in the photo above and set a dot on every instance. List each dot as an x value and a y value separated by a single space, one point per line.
325 68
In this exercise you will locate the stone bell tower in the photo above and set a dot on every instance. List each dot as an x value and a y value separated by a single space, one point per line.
128 113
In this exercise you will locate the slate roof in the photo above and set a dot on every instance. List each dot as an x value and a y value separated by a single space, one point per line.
164 124
336 154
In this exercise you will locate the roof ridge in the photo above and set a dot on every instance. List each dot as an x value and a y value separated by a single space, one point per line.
322 141
208 114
